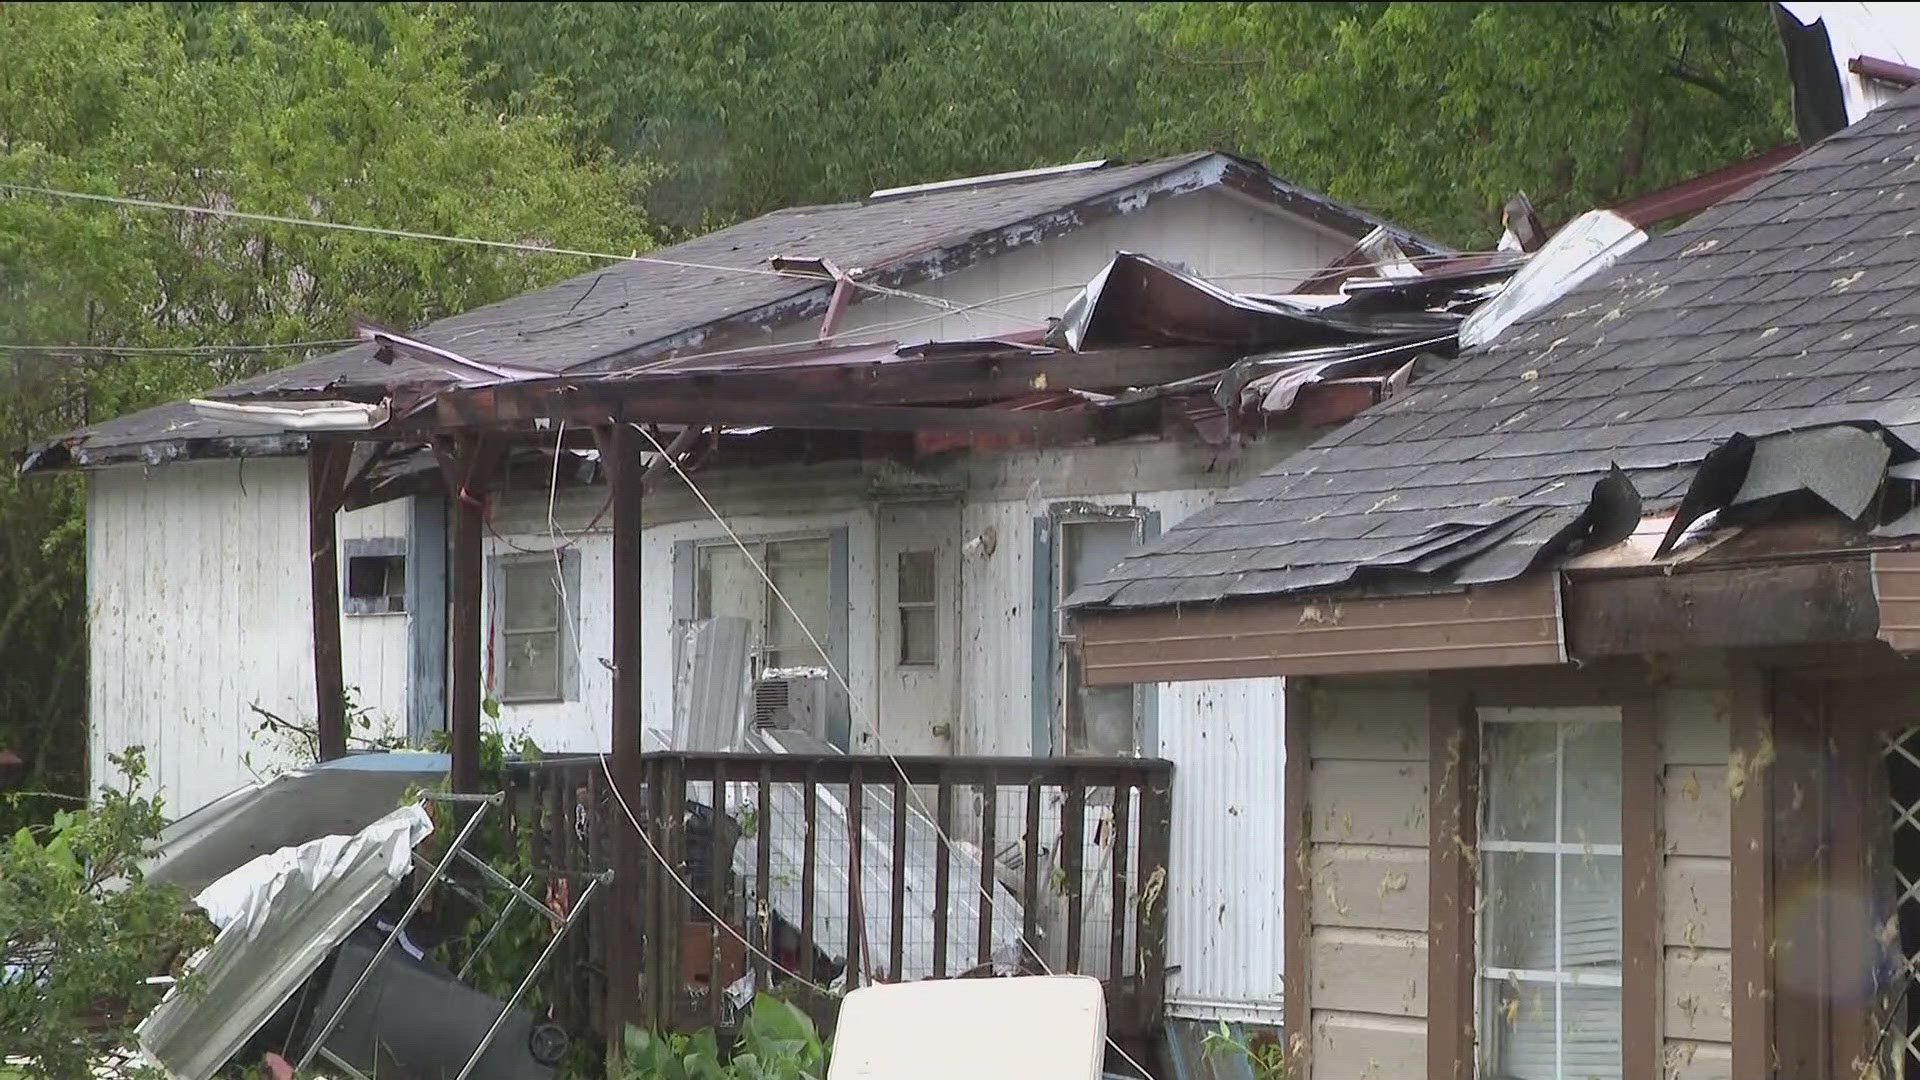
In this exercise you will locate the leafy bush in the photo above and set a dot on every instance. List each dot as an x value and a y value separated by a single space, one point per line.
778 1042
81 930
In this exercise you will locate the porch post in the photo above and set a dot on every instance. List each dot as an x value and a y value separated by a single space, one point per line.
1752 878
466 467
621 452
1453 786
326 485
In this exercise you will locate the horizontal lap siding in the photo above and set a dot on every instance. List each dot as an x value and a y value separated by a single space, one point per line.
1696 891
1367 947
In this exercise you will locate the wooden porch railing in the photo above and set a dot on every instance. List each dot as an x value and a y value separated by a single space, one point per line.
829 872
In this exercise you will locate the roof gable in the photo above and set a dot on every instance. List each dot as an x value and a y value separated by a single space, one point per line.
1793 304
683 296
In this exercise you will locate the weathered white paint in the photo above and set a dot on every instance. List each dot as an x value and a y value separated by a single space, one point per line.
198 607
201 605
373 648
201 602
1218 234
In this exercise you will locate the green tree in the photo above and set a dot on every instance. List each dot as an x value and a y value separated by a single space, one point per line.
258 109
81 930
1433 114
749 107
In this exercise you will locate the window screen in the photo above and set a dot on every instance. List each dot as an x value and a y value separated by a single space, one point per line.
1550 893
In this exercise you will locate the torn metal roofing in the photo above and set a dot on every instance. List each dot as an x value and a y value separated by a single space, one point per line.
1794 305
636 312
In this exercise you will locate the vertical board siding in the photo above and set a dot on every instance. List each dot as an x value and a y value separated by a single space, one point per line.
197 572
239 554
1224 929
1696 879
1367 799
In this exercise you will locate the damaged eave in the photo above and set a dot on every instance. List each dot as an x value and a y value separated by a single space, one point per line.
1510 624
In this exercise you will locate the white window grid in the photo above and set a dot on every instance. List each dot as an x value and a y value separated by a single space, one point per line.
1559 978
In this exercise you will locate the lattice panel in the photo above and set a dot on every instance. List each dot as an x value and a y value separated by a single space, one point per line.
1903 785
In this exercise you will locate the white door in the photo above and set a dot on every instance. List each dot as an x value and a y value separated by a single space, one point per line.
919 639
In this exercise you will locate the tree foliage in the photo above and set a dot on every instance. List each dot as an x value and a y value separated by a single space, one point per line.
255 109
1434 114
81 930
747 107
575 123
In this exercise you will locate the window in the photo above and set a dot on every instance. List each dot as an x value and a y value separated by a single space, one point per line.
1550 893
535 641
1076 543
727 584
376 577
919 617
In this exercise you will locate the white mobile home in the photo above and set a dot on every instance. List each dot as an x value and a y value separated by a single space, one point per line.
931 579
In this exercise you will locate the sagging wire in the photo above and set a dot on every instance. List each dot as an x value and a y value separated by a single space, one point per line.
413 234
854 702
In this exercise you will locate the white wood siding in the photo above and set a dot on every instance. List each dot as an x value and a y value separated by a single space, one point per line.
198 606
1222 236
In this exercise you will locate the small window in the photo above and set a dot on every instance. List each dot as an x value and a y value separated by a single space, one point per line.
1098 720
376 577
919 615
533 662
1550 895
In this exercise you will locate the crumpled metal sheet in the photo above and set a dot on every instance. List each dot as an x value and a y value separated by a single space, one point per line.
1582 248
787 854
280 915
1137 300
334 798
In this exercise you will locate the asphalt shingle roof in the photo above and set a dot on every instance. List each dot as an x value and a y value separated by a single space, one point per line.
633 311
1793 304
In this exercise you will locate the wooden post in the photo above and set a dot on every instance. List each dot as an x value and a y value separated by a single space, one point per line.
1750 786
1642 953
326 487
467 467
1453 820
1296 906
620 451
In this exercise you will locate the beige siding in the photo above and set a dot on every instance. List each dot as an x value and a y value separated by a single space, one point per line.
1696 893
1364 1046
1367 949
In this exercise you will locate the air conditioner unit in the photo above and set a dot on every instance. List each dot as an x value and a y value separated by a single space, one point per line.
791 698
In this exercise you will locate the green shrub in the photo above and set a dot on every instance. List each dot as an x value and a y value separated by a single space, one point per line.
778 1042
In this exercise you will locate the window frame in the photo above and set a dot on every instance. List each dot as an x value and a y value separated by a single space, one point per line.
930 605
565 630
1053 656
373 547
1563 719
686 573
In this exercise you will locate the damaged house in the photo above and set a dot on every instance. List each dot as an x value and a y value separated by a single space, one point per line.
874 405
1603 728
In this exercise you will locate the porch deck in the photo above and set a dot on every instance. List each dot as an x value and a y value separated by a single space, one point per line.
834 871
